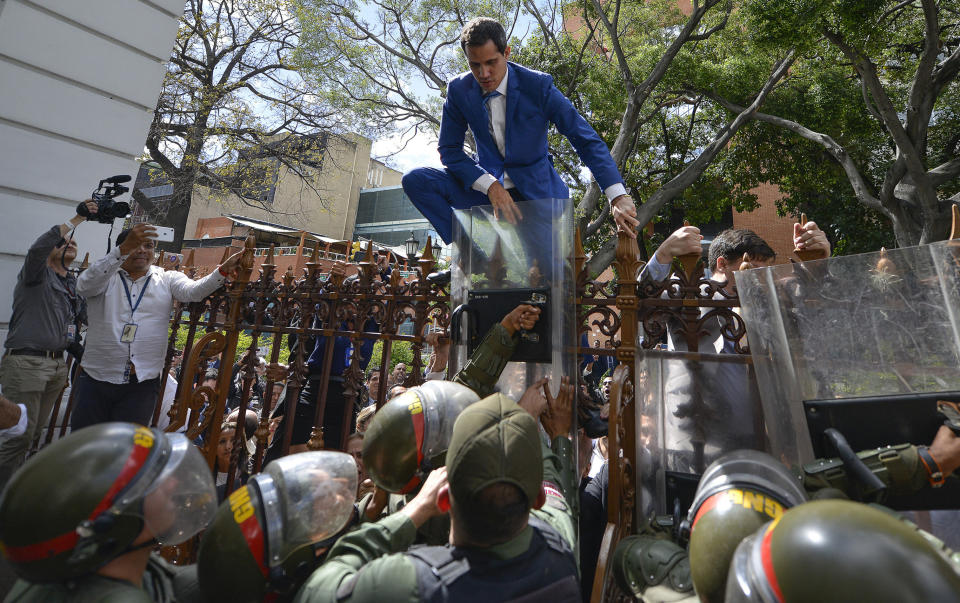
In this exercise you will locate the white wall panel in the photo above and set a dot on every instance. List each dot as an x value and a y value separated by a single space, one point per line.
129 21
78 83
34 99
9 268
44 213
39 39
171 6
55 167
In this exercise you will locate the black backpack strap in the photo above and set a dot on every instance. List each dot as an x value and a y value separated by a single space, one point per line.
566 590
552 537
443 564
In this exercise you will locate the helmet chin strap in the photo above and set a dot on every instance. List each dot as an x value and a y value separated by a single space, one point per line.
149 543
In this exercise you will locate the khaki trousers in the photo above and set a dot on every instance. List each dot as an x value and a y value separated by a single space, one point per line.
35 382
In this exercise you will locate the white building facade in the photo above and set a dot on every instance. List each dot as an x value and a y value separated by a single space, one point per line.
79 81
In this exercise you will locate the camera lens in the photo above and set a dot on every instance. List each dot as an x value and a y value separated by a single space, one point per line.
120 209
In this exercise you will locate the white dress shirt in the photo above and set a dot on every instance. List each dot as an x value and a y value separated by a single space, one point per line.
108 310
497 107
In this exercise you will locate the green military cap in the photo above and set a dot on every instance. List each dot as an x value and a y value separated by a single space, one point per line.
494 441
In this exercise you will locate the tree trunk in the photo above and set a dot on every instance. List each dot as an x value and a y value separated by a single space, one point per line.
179 211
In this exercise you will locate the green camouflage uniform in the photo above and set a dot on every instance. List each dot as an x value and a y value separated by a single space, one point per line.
485 365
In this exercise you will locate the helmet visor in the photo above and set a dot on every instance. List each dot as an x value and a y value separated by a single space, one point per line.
442 403
182 500
316 492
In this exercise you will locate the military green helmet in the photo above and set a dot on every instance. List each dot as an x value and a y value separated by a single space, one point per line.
837 550
738 493
85 499
409 435
266 535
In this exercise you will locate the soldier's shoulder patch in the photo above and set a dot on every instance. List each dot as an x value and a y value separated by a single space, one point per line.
555 497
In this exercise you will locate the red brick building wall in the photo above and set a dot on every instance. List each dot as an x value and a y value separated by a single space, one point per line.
777 231
206 259
213 228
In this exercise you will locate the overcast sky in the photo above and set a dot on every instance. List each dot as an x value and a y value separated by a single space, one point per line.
421 150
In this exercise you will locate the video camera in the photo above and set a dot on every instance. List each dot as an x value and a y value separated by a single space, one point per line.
107 209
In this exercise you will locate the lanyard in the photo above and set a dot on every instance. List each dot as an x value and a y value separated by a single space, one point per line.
126 289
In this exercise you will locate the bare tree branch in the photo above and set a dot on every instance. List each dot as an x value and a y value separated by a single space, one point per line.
861 187
696 167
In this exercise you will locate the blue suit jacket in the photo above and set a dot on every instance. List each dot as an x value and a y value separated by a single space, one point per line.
532 102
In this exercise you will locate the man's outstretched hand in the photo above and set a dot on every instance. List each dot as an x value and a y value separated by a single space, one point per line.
625 215
683 241
426 503
809 237
503 204
534 399
946 450
231 266
558 417
137 235
522 317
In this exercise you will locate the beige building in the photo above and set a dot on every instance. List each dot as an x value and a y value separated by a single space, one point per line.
331 210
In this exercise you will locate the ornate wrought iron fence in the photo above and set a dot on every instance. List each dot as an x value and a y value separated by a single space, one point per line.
628 313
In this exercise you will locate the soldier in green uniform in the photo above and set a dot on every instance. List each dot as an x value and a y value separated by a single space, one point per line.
79 520
755 488
833 551
269 535
487 362
512 531
409 435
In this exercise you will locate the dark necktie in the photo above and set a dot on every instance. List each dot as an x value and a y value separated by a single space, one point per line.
486 109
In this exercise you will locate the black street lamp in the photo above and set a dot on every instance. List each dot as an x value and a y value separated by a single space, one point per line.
436 250
411 246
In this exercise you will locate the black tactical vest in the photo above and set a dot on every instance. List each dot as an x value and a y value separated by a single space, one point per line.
546 571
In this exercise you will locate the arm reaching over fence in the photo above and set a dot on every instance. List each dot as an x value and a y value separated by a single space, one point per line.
485 365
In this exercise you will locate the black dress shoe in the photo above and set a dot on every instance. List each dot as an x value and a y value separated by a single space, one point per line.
440 279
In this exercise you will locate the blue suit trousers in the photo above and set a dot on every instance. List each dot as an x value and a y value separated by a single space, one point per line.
436 193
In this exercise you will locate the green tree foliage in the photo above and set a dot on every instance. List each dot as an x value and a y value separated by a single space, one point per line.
864 133
386 63
400 351
233 114
243 344
849 107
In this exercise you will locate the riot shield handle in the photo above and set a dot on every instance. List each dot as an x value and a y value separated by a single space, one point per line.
855 466
537 300
455 321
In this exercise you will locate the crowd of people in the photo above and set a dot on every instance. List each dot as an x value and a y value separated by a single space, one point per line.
450 491
433 487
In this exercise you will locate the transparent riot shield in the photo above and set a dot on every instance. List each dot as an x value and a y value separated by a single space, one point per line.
496 266
692 408
879 327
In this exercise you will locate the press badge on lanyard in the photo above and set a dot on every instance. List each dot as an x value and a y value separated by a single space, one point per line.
129 332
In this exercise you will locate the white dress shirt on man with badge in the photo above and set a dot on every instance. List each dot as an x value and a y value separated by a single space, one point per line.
109 310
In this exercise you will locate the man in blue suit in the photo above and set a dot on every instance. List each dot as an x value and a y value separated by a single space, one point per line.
508 108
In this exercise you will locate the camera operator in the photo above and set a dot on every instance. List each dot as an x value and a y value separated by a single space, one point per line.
129 302
44 323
